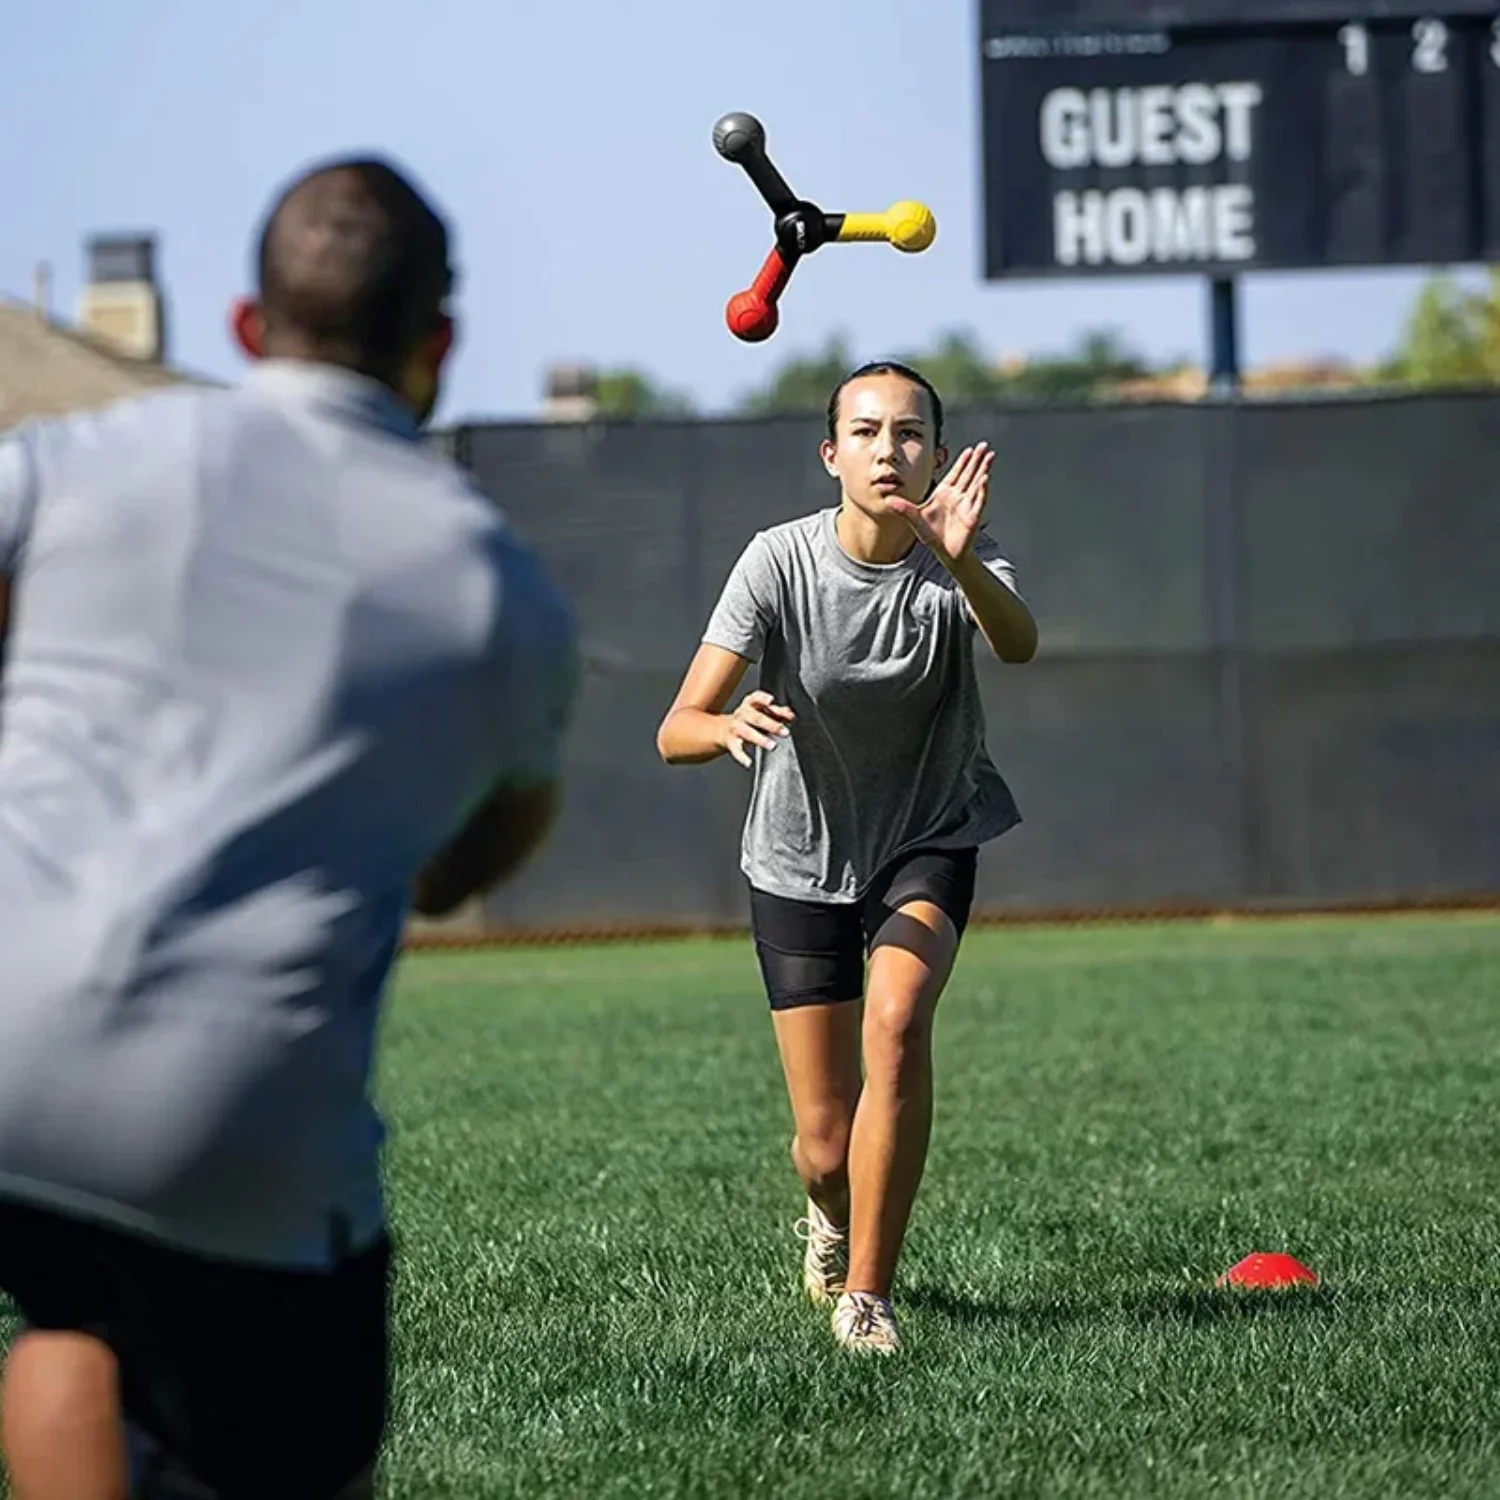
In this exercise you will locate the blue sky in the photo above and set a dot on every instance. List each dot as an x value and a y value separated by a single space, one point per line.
569 141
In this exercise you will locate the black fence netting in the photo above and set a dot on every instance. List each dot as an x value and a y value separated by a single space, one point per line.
1270 668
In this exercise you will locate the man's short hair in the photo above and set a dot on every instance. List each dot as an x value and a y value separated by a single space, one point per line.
353 260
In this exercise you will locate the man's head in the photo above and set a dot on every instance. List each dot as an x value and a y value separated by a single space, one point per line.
353 270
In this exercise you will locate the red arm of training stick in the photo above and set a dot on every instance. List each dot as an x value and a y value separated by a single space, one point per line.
772 279
752 315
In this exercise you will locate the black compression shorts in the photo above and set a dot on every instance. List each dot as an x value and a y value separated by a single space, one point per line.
813 952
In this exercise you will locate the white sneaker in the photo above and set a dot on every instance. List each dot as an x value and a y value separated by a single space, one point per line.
866 1324
826 1261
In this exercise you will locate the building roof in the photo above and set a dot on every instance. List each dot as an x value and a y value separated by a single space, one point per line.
47 369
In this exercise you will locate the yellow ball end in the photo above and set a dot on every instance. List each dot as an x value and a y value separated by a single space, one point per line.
912 226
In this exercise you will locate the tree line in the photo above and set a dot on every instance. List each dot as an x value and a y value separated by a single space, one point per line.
1451 338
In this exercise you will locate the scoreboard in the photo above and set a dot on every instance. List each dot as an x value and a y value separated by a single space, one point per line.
1210 137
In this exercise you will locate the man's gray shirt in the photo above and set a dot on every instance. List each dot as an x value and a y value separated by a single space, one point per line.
267 650
887 754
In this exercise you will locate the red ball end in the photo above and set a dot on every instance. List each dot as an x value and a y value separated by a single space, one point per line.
751 318
1268 1271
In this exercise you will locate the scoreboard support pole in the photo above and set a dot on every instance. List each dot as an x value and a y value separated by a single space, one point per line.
1224 336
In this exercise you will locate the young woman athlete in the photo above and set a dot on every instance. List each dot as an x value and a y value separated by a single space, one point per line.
873 791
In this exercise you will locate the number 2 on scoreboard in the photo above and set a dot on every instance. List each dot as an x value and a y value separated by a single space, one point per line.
1430 54
1429 47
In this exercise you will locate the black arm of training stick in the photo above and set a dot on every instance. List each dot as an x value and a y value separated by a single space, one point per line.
801 226
741 138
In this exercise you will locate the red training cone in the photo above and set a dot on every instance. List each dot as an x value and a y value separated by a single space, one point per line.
1266 1271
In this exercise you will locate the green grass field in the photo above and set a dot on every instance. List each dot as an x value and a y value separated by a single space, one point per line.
598 1292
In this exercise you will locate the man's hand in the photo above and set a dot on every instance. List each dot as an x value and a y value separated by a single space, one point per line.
952 515
498 839
759 720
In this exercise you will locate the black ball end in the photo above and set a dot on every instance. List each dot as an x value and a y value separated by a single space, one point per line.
737 137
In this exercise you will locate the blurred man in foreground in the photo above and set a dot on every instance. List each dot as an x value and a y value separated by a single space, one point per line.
276 674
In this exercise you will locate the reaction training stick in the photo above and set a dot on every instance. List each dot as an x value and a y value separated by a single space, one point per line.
801 228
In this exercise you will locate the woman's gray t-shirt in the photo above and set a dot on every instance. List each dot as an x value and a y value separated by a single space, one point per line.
887 754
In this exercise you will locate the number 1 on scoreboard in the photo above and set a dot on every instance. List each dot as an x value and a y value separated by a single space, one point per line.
1356 43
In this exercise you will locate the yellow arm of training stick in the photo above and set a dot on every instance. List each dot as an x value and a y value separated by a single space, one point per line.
908 226
864 227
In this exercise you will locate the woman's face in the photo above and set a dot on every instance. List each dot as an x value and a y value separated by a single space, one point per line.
886 445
